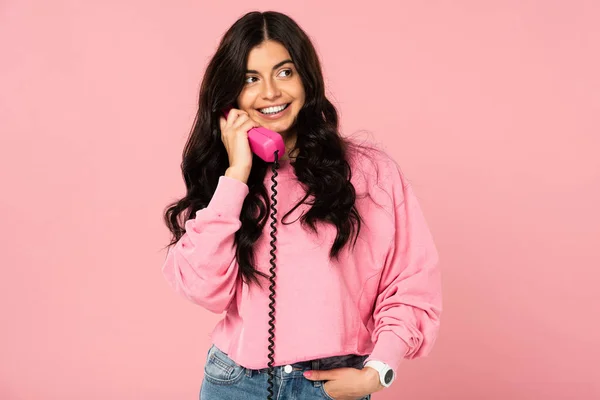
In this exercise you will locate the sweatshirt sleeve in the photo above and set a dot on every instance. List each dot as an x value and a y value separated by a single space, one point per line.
201 266
409 301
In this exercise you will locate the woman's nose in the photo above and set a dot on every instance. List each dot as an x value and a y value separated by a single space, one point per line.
270 90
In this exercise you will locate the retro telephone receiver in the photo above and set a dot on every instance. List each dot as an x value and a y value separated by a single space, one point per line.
268 145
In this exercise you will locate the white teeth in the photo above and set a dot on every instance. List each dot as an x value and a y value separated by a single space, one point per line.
273 110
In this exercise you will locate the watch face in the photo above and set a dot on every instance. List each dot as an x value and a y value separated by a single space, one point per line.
389 376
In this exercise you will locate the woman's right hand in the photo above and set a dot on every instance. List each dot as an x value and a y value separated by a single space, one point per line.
234 134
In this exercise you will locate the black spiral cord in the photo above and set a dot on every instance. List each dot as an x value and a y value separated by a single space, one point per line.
274 167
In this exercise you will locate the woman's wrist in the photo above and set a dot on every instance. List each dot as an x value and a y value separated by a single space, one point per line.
239 174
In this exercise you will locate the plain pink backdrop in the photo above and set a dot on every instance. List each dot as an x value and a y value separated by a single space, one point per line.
491 108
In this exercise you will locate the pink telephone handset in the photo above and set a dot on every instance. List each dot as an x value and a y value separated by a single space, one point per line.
263 142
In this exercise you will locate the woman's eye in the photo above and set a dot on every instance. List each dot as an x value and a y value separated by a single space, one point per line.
289 73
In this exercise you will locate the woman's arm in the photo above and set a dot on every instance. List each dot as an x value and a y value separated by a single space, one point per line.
201 266
409 301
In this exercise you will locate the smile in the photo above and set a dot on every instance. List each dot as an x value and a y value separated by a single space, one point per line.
274 109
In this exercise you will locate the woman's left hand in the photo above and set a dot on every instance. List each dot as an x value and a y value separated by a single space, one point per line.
347 383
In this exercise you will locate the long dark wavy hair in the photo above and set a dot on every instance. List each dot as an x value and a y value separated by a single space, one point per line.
321 164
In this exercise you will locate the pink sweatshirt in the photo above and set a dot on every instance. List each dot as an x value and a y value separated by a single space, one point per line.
383 298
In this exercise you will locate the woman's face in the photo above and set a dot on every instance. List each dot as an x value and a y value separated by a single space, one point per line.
272 81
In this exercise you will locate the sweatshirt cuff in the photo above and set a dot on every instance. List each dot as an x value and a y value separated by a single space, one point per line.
229 197
389 349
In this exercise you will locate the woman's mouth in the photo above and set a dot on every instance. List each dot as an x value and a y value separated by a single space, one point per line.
274 112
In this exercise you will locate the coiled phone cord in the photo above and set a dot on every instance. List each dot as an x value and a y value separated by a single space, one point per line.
275 167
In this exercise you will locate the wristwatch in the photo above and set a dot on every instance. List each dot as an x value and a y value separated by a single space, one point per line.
386 373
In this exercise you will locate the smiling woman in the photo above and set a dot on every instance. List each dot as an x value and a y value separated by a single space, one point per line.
351 302
273 93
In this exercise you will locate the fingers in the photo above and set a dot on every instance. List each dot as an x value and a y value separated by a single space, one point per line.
236 120
234 113
226 122
249 124
222 123
239 121
320 375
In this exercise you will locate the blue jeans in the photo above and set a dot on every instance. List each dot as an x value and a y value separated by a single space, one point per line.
225 379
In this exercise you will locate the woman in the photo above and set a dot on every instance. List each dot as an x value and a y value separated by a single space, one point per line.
358 286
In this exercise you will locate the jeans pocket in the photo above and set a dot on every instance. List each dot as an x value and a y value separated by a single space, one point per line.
328 397
220 369
324 392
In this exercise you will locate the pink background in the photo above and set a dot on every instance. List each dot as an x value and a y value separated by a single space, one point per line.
491 108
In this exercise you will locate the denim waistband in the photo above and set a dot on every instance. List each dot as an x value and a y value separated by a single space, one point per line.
349 360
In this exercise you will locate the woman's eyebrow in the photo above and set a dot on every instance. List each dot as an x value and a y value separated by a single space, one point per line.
279 64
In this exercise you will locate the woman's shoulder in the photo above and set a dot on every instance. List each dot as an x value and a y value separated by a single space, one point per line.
373 167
